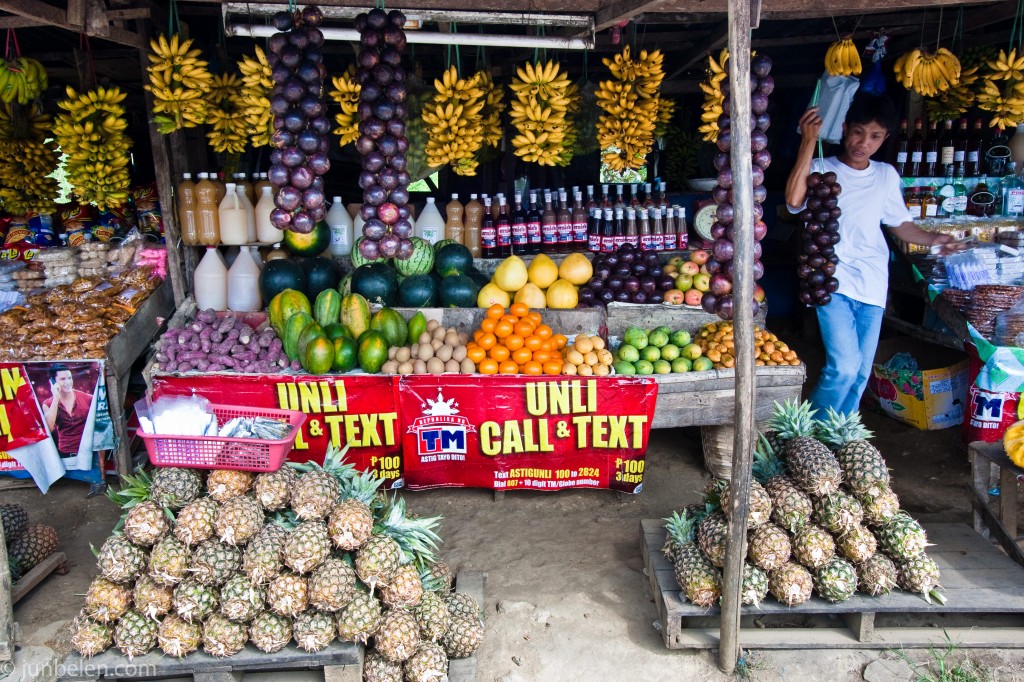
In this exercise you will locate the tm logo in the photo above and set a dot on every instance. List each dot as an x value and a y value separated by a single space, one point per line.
443 439
987 409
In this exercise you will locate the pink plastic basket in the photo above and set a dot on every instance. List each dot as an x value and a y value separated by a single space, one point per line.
214 452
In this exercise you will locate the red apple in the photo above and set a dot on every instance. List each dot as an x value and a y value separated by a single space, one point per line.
692 297
701 282
673 296
759 293
700 256
689 268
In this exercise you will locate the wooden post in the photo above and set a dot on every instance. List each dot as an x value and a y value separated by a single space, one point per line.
743 296
6 605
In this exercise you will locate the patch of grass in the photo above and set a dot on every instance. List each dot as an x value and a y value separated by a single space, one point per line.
748 663
949 664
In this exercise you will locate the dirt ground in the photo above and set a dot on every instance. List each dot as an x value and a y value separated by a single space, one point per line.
566 597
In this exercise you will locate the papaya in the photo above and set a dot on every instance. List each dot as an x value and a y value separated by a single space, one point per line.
373 351
292 329
392 325
417 325
312 331
318 356
346 354
327 307
284 305
355 315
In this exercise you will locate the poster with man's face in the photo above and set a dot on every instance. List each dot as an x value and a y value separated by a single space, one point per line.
65 391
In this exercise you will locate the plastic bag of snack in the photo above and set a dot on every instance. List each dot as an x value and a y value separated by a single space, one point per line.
147 209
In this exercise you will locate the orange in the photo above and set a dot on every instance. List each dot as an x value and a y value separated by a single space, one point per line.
524 328
476 354
522 356
488 366
513 342
541 356
503 329
533 342
488 324
476 335
495 311
543 331
534 317
560 341
487 341
519 309
499 353
547 345
552 367
508 367
533 368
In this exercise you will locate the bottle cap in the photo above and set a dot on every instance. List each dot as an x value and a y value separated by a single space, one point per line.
337 200
204 176
472 197
455 196
229 186
186 176
430 200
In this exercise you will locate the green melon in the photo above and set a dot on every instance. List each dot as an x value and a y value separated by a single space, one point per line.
458 291
310 244
392 325
420 262
377 282
346 354
318 356
417 291
453 259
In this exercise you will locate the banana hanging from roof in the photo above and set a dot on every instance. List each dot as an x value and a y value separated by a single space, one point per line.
346 95
254 98
842 58
28 158
1002 89
179 81
713 96
928 73
540 113
22 79
630 100
226 116
454 123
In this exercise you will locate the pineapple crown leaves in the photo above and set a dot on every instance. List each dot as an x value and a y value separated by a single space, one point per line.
362 487
416 537
430 582
767 464
792 419
714 492
286 519
334 463
681 527
839 428
135 490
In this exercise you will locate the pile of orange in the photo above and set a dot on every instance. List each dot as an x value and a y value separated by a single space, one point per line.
515 342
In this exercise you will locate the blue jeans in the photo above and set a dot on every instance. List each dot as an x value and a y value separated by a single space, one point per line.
849 330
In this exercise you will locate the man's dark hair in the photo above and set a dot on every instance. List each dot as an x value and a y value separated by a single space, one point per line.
54 369
872 109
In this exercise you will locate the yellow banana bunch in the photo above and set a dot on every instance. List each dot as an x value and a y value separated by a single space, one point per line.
842 58
1007 67
713 97
254 98
625 131
346 94
226 116
571 131
927 73
666 109
453 122
91 135
1001 89
179 81
1013 443
540 111
28 158
416 158
21 80
954 102
494 104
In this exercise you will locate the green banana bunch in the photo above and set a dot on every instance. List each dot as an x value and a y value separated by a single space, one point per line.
28 158
22 80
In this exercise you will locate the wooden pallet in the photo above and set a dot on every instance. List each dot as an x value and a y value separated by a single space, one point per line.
56 562
984 608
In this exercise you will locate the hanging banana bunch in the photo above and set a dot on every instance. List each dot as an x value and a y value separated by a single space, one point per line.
22 79
571 132
842 58
28 158
954 102
416 157
666 110
91 135
494 104
928 73
179 81
226 116
1002 90
254 98
453 123
630 102
713 96
346 94
538 112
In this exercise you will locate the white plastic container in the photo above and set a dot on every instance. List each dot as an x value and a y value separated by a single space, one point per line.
341 226
243 289
256 257
250 214
234 228
210 282
357 226
429 223
266 233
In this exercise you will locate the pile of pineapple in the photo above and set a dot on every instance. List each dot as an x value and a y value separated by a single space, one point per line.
307 553
822 519
27 543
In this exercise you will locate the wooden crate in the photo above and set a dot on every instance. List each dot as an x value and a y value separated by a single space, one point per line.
984 608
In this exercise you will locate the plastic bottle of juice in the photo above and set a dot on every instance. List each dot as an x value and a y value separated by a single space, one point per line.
242 180
250 214
277 253
340 223
266 233
474 221
234 228
207 213
261 183
243 284
454 228
216 179
210 282
187 210
429 223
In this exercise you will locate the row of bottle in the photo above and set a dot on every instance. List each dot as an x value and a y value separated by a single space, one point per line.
971 153
1004 197
219 287
212 212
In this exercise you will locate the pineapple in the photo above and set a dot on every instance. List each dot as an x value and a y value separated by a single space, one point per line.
398 635
698 578
151 598
920 574
377 560
288 594
169 561
712 534
119 560
90 637
135 634
464 636
241 600
14 520
836 581
316 491
810 462
880 504
760 503
439 576
177 637
462 604
213 562
376 668
264 555
307 547
769 547
350 522
223 484
174 487
754 587
432 616
791 506
194 523
877 575
144 521
902 537
270 632
194 601
313 630
791 584
858 544
238 520
402 539
429 663
361 619
862 464
107 601
813 546
332 586
838 512
405 590
30 548
222 637
274 490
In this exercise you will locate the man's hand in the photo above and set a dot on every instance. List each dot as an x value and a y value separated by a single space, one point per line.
944 244
810 124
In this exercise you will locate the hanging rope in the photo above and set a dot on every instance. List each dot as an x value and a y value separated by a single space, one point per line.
938 31
173 20
12 42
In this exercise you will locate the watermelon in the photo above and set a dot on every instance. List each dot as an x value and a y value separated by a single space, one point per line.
443 242
453 259
480 278
310 332
281 274
392 325
420 262
321 274
312 244
373 351
327 308
458 291
358 259
377 282
345 285
418 291
335 331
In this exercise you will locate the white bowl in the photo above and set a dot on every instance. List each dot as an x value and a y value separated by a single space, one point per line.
702 184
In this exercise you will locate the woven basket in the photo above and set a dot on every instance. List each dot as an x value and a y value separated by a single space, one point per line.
717 443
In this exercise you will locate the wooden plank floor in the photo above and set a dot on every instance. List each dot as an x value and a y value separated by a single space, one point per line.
472 583
978 580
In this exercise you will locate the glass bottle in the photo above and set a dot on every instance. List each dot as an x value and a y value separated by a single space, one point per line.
504 227
912 198
591 202
594 231
634 198
973 160
520 240
657 228
671 237
549 225
929 204
916 150
534 230
981 201
959 196
902 145
648 195
641 235
931 151
580 225
947 145
608 232
564 218
620 228
946 196
664 194
682 236
187 210
633 236
619 197
488 243
606 197
1011 191
454 227
960 148
997 153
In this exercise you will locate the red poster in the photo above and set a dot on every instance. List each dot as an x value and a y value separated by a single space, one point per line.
358 410
529 433
20 421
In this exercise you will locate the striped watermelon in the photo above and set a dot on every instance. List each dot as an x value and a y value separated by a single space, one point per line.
358 259
420 262
443 242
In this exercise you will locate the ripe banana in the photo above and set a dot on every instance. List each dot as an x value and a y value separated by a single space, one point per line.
713 96
346 95
28 159
928 73
842 58
453 122
542 112
254 98
625 131
226 116
22 80
179 80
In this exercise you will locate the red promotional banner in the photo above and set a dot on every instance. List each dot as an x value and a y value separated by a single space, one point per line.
20 421
526 433
360 411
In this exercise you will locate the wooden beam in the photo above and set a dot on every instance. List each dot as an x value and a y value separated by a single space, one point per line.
623 10
20 22
717 37
791 9
81 16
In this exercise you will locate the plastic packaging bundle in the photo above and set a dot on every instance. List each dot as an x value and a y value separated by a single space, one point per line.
966 270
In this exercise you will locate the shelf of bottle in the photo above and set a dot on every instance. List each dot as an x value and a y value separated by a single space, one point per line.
251 245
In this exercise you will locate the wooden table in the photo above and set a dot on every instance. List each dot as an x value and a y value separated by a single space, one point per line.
1004 528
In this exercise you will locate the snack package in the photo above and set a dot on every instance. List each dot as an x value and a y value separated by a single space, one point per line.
18 230
147 209
43 230
78 225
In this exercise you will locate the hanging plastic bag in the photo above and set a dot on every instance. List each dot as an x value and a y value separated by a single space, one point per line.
836 94
874 80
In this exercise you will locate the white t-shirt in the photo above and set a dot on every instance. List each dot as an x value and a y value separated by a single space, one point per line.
870 198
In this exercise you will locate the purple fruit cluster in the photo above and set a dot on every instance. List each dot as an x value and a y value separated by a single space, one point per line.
627 276
718 299
299 158
382 141
817 263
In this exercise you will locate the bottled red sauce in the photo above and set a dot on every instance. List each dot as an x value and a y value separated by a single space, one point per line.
564 218
488 233
504 226
520 240
534 231
549 226
579 225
